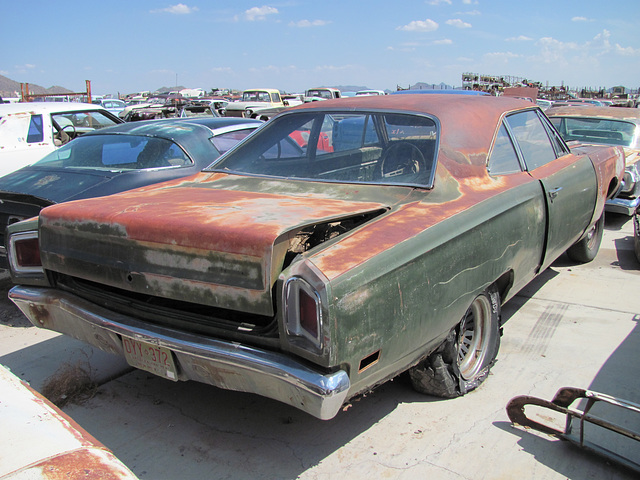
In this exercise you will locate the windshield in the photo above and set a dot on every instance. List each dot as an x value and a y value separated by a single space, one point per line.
382 148
82 121
116 152
319 93
256 97
597 130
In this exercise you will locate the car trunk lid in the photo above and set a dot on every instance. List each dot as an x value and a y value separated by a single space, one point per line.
187 242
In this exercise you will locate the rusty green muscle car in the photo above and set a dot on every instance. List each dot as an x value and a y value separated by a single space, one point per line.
341 244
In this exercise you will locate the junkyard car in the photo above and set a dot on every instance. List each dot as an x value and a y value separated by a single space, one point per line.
116 159
606 126
28 131
254 101
344 242
321 93
113 105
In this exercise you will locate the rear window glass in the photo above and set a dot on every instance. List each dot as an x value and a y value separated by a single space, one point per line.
341 147
117 152
595 130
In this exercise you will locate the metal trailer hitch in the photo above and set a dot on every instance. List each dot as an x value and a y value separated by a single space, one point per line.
560 403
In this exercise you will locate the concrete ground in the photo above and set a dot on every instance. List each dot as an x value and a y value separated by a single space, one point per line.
575 325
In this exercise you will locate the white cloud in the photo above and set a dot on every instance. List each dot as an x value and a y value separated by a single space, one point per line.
336 68
627 51
520 38
581 19
307 23
427 25
553 51
502 57
259 13
438 2
456 22
444 41
179 9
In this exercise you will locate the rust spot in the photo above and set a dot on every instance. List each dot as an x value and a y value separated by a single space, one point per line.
40 314
85 464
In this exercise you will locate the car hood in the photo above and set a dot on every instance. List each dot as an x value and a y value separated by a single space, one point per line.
220 241
53 185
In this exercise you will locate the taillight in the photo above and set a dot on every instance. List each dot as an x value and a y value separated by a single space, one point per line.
309 314
24 253
303 312
28 253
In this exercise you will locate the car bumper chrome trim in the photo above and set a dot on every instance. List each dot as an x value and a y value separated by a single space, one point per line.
625 206
227 365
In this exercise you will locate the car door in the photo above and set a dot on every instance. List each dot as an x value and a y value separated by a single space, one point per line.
568 181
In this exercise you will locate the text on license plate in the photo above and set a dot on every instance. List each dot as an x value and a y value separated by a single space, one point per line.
152 358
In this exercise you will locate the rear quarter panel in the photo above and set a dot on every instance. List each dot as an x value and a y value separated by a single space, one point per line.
404 299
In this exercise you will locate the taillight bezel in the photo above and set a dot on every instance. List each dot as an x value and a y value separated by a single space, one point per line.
295 290
15 244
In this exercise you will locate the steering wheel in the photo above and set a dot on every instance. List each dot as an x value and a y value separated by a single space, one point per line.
402 158
74 131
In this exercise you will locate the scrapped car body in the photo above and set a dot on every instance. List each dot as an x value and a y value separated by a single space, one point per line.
343 243
254 101
595 125
321 93
40 442
116 159
113 105
28 131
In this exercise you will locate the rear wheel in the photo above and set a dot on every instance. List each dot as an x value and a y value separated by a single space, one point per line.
463 360
586 249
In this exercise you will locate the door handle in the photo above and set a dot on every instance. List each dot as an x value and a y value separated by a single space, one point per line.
553 193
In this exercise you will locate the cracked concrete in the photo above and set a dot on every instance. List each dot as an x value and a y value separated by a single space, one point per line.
576 325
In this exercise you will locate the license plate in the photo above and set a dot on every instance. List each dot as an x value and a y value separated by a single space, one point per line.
152 358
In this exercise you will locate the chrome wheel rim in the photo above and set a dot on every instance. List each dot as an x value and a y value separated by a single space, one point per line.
591 235
473 338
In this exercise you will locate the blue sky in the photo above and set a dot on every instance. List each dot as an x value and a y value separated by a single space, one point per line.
135 45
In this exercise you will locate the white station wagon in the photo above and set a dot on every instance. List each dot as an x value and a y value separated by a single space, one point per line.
28 131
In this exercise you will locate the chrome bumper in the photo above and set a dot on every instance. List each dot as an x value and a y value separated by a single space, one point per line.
625 206
224 364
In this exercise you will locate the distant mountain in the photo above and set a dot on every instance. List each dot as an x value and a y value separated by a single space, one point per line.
429 86
350 88
10 88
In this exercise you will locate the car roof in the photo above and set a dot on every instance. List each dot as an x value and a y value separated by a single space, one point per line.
219 122
613 113
189 134
468 123
441 92
270 90
46 107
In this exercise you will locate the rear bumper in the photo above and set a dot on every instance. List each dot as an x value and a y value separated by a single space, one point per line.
625 206
223 364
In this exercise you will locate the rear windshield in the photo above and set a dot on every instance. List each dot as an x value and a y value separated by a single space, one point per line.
383 148
117 152
596 130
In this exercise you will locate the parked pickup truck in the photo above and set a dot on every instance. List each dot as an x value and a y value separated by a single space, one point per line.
341 244
254 101
321 93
